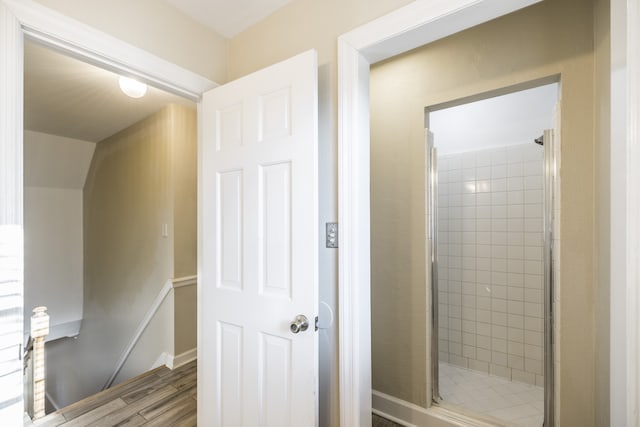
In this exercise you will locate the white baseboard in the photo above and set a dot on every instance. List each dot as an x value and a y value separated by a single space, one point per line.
174 362
411 415
162 360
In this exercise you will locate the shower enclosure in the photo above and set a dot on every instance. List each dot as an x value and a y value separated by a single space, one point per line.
490 218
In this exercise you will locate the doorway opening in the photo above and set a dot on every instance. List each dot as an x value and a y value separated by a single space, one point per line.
109 191
490 181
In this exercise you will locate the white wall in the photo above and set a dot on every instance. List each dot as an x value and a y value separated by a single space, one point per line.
55 169
53 253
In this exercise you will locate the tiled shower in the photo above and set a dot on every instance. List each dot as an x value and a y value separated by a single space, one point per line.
490 261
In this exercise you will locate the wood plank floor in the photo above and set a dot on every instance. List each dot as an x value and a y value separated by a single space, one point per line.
160 397
378 421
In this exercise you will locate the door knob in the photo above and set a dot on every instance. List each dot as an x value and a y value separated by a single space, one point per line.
300 323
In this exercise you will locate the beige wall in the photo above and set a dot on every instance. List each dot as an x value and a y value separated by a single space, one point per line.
156 27
185 225
184 160
551 38
299 26
398 254
602 184
185 319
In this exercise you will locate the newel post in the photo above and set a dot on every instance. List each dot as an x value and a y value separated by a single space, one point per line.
39 330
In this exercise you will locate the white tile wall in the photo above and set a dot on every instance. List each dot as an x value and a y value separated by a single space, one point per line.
490 261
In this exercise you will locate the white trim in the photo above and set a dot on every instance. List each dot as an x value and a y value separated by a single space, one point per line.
11 229
625 221
63 330
172 362
411 415
418 23
162 360
79 40
11 120
181 359
632 211
168 286
181 282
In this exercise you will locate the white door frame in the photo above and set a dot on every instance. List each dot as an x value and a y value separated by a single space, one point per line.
416 24
625 221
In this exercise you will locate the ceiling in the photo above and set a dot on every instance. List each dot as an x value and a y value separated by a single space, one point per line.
228 18
514 118
67 97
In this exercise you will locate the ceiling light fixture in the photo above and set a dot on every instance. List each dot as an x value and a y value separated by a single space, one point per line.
132 88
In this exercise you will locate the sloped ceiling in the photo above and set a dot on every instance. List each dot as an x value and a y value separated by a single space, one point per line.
55 161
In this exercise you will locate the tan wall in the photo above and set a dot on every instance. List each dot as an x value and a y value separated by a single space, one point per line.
602 184
184 153
185 225
551 38
398 254
299 26
156 27
185 319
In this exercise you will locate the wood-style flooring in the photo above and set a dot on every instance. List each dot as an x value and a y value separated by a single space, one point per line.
378 421
160 397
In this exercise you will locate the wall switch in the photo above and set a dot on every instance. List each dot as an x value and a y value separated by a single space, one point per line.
165 230
332 234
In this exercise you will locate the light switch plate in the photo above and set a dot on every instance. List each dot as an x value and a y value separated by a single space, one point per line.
332 234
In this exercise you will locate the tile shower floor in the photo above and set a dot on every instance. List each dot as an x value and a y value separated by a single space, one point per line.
512 403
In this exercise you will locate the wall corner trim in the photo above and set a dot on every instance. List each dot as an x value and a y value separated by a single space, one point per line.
181 359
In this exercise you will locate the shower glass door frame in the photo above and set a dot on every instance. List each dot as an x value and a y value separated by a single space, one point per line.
550 257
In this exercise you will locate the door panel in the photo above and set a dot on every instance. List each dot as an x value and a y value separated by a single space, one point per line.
259 248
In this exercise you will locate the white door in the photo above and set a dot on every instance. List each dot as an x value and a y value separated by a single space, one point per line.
259 249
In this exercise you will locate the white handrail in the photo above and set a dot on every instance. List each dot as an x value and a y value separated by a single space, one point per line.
168 286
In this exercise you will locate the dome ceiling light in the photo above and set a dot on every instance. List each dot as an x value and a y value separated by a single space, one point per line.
132 88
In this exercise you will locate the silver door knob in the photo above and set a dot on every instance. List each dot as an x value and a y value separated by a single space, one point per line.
300 323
